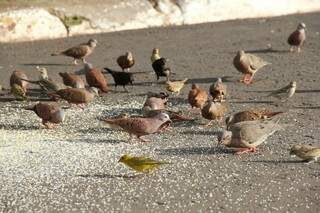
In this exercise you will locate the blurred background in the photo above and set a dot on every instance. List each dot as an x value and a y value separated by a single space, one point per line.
27 20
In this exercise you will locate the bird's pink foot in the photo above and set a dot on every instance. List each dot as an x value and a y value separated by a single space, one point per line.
244 150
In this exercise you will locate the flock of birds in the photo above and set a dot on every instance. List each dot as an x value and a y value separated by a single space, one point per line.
245 130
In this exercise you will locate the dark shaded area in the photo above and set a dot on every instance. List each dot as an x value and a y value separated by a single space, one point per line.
194 151
110 176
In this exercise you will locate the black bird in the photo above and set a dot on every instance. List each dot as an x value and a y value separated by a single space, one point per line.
161 69
121 77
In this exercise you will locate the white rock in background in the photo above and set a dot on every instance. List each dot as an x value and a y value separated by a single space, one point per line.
29 24
200 11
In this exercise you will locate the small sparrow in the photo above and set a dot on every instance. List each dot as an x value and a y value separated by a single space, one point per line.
214 111
175 86
18 92
284 93
248 64
126 61
297 38
197 97
141 164
250 115
218 90
307 153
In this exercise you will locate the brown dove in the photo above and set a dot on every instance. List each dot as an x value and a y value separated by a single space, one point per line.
72 80
95 78
175 86
16 77
297 38
77 96
79 52
139 126
307 153
49 113
248 64
245 136
214 111
250 115
126 61
218 90
197 97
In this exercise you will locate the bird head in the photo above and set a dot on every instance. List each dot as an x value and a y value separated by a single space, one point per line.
241 53
301 26
294 149
155 51
293 84
129 55
43 73
164 117
92 42
224 137
123 158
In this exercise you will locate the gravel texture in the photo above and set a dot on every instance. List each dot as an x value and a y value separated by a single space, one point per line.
74 167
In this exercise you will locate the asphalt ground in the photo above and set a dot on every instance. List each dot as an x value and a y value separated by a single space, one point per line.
75 167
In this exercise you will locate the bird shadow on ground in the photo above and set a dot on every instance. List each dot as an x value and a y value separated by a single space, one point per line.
109 113
306 107
201 132
194 151
18 127
208 80
96 141
46 64
267 50
274 161
251 102
109 176
308 91
177 101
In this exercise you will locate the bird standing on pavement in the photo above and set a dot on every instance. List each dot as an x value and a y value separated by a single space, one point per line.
159 65
95 78
72 80
139 126
121 78
214 111
126 61
218 90
297 38
248 64
175 86
49 113
247 135
197 96
78 96
284 93
250 115
16 78
307 153
79 52
18 92
141 164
